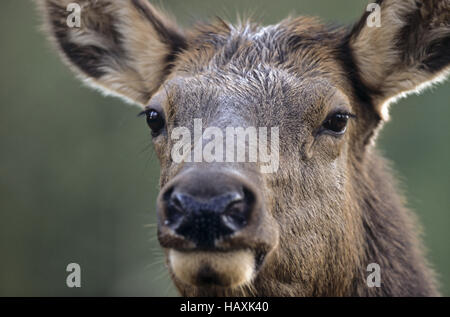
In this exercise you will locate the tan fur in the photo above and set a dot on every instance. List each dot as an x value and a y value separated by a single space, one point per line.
381 66
234 268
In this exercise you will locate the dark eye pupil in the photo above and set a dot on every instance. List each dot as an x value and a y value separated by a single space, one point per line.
337 123
152 115
154 120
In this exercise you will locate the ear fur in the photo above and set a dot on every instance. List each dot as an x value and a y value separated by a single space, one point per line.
409 51
124 47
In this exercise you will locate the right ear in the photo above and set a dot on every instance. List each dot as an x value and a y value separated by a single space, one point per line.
125 47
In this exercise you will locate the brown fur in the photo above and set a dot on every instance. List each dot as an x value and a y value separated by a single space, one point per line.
332 207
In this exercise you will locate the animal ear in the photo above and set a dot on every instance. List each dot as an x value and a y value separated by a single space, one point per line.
401 47
125 47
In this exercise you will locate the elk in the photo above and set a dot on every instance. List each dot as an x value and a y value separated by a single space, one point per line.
312 226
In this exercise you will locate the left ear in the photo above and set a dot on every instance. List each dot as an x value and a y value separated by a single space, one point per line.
124 47
409 50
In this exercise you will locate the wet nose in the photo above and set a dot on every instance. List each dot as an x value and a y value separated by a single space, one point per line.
204 216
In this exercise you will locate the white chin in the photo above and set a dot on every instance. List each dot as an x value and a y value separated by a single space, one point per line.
223 269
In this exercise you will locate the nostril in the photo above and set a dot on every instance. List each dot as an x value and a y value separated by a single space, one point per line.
167 195
237 214
176 202
249 196
174 210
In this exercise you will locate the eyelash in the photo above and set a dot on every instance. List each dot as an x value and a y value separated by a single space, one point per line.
142 113
344 113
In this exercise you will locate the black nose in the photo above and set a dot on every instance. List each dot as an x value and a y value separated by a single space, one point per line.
203 220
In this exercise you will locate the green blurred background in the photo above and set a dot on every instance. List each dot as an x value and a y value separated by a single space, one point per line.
78 177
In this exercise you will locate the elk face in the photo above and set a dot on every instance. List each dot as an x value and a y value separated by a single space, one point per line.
230 227
220 222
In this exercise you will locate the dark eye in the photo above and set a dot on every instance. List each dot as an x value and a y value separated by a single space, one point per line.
337 123
154 120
